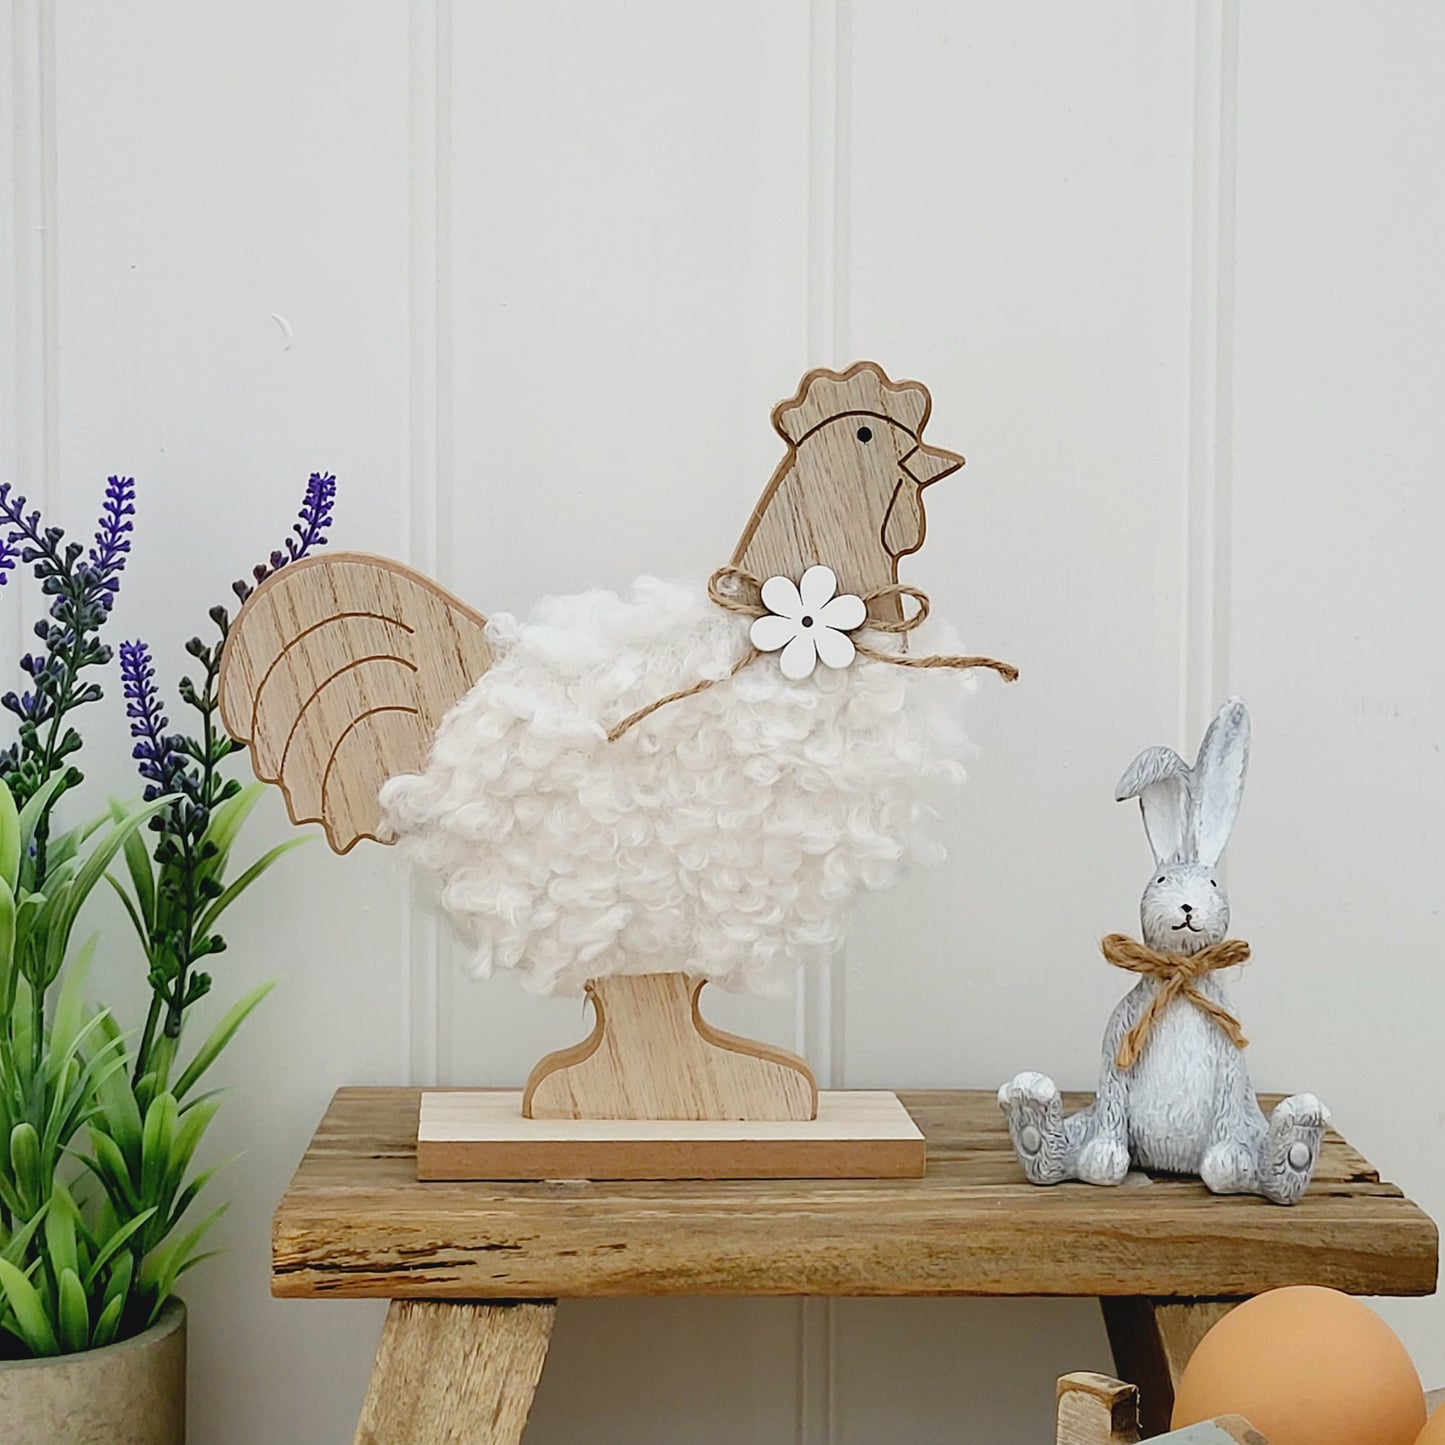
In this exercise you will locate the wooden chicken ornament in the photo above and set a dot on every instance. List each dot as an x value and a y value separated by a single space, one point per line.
632 796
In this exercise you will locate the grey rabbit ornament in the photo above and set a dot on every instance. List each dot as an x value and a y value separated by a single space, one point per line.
1174 1094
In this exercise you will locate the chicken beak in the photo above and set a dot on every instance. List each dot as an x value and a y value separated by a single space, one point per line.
927 464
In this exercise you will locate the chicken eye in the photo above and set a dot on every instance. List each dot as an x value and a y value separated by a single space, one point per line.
865 434
1159 880
1213 884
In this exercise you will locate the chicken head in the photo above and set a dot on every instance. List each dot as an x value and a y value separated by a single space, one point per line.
849 492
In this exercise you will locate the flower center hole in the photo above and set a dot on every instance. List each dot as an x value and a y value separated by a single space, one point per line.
807 622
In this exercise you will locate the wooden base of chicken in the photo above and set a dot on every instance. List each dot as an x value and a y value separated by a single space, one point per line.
651 1055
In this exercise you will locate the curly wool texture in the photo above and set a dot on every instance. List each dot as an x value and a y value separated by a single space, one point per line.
725 834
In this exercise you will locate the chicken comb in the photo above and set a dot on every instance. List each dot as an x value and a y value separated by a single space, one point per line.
863 388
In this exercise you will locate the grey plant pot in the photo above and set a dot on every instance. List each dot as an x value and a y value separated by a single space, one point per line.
132 1393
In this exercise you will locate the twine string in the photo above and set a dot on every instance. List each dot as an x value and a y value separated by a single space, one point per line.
739 592
1177 973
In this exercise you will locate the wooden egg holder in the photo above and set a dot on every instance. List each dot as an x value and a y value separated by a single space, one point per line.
337 673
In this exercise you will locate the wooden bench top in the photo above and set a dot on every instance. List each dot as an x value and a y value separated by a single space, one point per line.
356 1224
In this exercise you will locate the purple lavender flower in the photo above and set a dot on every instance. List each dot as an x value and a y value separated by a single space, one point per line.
83 590
161 763
107 556
19 528
315 516
76 585
312 524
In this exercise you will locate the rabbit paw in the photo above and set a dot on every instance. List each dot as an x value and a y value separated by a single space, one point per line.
1103 1161
1035 1114
1291 1147
1229 1168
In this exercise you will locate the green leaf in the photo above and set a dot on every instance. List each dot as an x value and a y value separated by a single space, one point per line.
31 813
10 1199
19 1242
61 849
7 938
122 1276
74 1100
157 1141
93 869
25 1160
157 1080
239 885
59 870
223 1033
188 1136
142 877
109 1166
70 1003
117 1099
226 822
9 840
60 1232
108 1323
73 1313
192 1190
27 917
142 932
115 1244
161 1268
24 1302
196 1259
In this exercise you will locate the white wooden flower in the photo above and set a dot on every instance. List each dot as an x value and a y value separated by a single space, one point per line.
808 622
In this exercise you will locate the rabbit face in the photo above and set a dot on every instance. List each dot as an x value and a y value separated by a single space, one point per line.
1184 910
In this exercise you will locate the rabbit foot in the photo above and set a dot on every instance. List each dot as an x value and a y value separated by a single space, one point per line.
1103 1161
1229 1168
1291 1147
1035 1114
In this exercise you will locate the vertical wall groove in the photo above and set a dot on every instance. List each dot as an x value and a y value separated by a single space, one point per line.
819 1025
29 348
430 458
1211 329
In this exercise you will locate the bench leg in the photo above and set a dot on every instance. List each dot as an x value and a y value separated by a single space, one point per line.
1152 1340
455 1374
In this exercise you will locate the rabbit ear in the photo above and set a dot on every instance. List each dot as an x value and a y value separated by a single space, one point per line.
1218 784
1159 778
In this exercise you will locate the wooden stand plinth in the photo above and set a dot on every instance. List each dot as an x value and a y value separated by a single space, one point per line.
652 1055
482 1134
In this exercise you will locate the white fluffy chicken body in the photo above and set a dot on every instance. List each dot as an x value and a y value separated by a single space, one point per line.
723 835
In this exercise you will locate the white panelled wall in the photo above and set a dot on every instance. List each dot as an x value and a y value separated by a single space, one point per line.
528 277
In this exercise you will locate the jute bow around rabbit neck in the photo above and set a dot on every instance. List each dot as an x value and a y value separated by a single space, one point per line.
1177 973
733 590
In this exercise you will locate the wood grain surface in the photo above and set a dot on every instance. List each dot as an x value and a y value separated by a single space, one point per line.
1096 1410
652 1055
849 491
483 1134
356 1223
337 673
455 1374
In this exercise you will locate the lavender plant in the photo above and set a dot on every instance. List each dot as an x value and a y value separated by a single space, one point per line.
81 1265
84 587
176 903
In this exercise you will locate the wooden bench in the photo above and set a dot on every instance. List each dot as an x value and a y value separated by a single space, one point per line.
475 1270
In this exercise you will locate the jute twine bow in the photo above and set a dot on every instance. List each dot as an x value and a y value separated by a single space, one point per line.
738 598
1178 972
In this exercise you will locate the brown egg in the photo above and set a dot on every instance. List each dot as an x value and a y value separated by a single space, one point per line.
1305 1366
1434 1431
